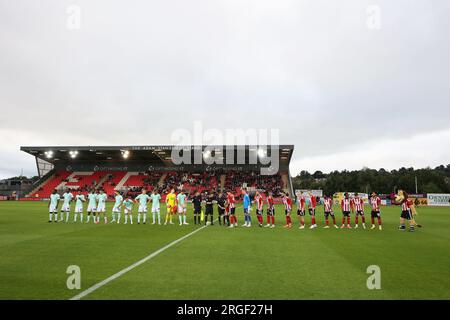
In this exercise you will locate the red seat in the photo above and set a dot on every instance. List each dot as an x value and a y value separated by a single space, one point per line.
50 185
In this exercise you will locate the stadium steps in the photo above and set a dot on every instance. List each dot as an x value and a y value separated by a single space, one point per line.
286 183
101 181
111 185
135 179
161 180
121 184
223 177
74 180
51 184
62 183
50 175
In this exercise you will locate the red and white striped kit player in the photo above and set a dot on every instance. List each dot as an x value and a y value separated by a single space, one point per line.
328 204
375 203
301 201
259 204
406 206
358 204
270 204
231 200
346 207
312 210
288 207
312 203
259 208
328 208
287 204
270 211
407 212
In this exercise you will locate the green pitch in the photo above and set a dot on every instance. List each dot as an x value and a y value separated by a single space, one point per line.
220 263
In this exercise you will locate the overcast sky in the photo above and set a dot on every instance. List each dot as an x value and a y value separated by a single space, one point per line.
346 88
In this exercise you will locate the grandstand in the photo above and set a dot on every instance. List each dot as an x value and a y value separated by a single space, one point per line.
130 168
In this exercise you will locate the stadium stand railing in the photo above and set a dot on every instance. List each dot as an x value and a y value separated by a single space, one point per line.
40 183
131 183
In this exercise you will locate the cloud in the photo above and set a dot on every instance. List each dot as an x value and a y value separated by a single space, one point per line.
136 72
421 150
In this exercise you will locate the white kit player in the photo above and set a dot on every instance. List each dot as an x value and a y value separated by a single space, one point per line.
67 198
53 206
156 198
92 206
79 199
128 210
101 206
181 201
143 198
117 207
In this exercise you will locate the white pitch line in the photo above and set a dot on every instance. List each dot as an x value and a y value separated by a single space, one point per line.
131 267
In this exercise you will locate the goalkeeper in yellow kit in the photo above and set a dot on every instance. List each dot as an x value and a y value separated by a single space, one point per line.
171 206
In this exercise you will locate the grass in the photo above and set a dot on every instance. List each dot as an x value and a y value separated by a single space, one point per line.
219 263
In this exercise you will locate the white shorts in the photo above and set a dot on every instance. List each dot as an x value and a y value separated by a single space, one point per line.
101 208
78 209
154 210
127 211
142 209
181 209
53 208
65 208
116 210
91 209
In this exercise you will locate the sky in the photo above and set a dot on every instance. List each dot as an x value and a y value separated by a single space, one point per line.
350 83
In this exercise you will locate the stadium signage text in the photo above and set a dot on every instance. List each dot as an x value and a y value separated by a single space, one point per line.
98 168
133 167
305 192
438 199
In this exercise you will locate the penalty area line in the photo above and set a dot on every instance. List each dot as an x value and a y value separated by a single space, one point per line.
134 265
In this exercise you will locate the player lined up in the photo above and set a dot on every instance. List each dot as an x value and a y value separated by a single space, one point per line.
97 207
226 207
348 205
175 204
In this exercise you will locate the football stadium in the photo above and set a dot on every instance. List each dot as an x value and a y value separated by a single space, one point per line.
213 159
207 230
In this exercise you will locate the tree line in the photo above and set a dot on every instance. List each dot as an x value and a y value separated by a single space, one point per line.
429 180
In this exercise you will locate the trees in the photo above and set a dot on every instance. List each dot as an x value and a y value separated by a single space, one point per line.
318 175
435 180
431 187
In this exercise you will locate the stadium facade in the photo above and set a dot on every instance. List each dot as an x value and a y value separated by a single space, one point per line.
132 167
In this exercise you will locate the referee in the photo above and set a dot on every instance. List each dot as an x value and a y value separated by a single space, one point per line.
221 210
209 207
197 202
